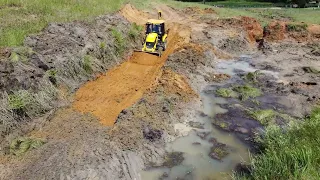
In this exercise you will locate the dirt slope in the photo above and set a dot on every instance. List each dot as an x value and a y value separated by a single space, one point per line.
107 96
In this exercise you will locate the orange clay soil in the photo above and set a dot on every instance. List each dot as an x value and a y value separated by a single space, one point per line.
122 86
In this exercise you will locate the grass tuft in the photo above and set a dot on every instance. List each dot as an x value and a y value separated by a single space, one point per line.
20 146
19 100
87 64
119 41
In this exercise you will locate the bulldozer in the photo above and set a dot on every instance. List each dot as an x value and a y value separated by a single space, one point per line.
156 36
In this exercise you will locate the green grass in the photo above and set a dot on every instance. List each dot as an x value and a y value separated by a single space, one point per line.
27 17
291 153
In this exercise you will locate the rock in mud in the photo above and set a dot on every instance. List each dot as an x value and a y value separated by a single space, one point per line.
173 159
241 130
218 151
196 143
197 125
152 134
203 135
221 124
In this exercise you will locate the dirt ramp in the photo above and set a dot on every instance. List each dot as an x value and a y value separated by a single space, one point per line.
134 15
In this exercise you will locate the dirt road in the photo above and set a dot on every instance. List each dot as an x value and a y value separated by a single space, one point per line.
121 87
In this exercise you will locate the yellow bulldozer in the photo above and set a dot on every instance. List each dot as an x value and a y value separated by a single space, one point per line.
156 36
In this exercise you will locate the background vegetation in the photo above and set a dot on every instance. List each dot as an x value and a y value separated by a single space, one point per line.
22 17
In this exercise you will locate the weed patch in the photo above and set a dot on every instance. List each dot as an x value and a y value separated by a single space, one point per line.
265 117
247 91
225 92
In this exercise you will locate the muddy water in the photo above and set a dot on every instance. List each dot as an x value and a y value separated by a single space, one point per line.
197 164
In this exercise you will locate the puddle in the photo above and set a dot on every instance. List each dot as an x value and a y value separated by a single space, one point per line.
243 64
197 163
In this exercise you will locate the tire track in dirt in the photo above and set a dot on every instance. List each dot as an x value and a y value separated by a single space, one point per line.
122 86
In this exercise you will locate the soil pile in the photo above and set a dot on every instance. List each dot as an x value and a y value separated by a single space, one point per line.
250 25
278 30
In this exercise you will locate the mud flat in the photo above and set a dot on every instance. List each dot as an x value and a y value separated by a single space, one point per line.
192 114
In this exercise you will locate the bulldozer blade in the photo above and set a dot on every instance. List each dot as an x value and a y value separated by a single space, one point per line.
155 53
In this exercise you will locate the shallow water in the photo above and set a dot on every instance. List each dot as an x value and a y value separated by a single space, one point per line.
197 164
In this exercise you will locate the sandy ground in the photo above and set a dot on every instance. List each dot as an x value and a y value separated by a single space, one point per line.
145 96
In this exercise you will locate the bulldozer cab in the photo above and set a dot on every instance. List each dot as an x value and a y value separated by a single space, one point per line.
155 26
